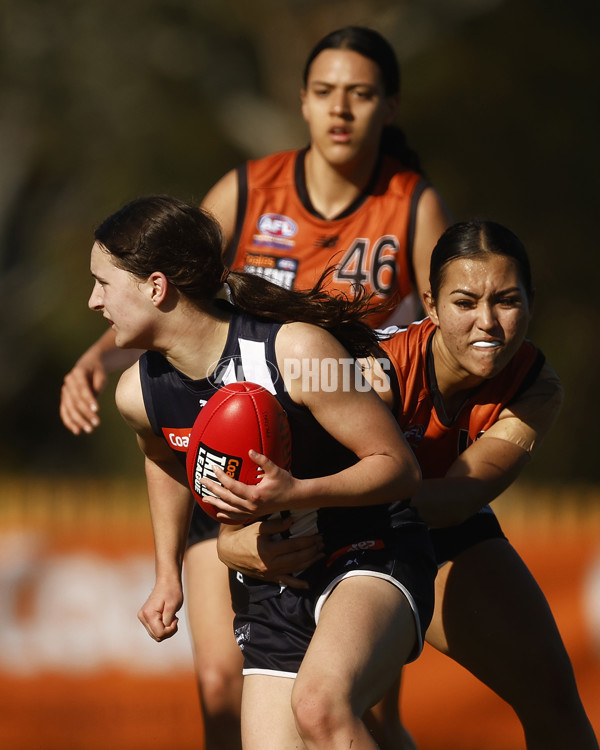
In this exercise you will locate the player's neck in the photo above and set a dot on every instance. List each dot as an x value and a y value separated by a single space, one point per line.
333 188
195 343
453 383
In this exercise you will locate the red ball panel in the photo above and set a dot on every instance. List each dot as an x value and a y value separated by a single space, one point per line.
238 417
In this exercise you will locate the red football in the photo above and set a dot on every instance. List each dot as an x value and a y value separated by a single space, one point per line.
238 417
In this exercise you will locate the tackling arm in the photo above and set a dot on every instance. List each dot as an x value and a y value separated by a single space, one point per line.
492 463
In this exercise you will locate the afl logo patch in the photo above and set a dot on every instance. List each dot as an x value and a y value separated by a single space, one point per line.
277 225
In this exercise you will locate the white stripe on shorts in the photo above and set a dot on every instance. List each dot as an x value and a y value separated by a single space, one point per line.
384 576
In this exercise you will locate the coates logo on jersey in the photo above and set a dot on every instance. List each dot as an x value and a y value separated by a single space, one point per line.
178 438
414 434
277 225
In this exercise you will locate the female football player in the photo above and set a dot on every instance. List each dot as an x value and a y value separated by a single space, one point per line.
313 661
354 198
474 399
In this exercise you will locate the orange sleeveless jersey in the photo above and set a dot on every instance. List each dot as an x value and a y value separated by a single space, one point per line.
436 440
280 236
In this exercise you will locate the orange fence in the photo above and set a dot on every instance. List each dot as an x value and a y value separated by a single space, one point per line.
77 670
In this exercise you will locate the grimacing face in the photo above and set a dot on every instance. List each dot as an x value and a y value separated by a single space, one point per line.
345 105
482 313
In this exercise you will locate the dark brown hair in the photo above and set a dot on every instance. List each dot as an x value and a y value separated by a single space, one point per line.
476 239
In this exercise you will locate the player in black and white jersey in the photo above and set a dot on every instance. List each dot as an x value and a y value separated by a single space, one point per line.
158 271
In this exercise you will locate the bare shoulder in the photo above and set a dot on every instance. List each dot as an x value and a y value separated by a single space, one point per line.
304 352
432 219
527 419
543 398
432 206
549 379
306 340
221 201
130 400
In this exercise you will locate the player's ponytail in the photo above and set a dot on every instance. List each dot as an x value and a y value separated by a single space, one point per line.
394 143
185 243
343 317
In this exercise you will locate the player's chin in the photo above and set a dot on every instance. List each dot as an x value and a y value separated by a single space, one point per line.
487 372
487 364
122 341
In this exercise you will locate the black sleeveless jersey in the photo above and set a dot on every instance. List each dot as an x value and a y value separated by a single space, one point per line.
173 401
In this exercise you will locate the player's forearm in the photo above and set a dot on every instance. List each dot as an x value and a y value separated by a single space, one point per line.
374 480
106 351
450 500
493 462
170 510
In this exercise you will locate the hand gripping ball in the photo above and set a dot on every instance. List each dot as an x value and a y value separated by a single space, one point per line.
237 418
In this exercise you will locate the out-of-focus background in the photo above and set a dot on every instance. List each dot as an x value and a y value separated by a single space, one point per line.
102 101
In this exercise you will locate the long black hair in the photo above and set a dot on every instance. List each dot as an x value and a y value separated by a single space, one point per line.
184 242
476 239
372 45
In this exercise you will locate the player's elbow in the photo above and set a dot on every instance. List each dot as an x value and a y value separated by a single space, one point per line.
411 476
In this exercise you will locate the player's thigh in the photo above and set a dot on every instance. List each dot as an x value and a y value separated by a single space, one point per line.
492 617
366 632
267 719
208 603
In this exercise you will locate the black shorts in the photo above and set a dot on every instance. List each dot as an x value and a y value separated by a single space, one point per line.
274 624
202 527
452 540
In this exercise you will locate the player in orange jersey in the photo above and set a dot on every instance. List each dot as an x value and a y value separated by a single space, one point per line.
354 198
474 399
